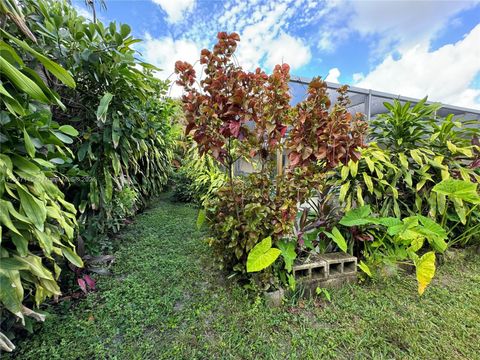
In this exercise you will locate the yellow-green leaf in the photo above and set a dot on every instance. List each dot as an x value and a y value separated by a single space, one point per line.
425 268
343 190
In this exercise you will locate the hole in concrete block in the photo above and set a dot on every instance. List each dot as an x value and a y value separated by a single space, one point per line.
319 272
335 269
349 267
301 273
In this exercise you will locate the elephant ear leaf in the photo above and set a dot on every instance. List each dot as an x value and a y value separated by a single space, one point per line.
262 255
425 270
288 252
357 216
458 189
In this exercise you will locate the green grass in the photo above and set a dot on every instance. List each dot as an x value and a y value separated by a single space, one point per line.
167 301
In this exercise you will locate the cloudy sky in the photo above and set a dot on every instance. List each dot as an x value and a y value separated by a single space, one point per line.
411 48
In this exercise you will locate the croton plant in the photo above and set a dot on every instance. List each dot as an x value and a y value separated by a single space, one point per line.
233 114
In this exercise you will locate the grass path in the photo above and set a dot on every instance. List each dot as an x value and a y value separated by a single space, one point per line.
166 301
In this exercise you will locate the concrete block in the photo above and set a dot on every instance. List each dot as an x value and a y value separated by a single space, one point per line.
331 270
314 269
339 264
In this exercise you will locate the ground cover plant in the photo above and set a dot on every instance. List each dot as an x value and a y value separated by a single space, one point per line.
166 300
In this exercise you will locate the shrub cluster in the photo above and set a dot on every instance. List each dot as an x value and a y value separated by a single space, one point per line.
85 142
408 194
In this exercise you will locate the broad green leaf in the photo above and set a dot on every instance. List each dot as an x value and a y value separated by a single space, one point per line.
415 154
353 166
262 255
9 297
59 72
115 132
337 238
28 144
288 253
69 130
434 233
103 107
63 138
344 172
460 189
403 160
21 243
36 266
5 219
21 81
460 210
11 263
45 241
388 221
370 164
425 268
368 181
34 208
26 166
357 216
124 30
343 190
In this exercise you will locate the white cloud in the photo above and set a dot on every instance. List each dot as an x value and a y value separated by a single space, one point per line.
387 24
404 23
444 75
265 39
83 12
333 75
164 52
175 9
357 77
287 49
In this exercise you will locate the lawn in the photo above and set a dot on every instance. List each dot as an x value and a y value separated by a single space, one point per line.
167 301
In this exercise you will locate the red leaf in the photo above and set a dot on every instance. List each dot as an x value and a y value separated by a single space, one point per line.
90 282
82 285
234 128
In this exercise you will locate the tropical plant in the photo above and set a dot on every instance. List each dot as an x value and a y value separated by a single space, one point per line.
197 178
118 108
237 115
404 125
399 183
38 224
262 255
401 240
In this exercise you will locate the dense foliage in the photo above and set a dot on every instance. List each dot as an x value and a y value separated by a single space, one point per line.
125 142
245 115
234 115
85 142
396 176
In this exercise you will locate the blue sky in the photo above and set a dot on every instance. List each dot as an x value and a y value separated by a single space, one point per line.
412 48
